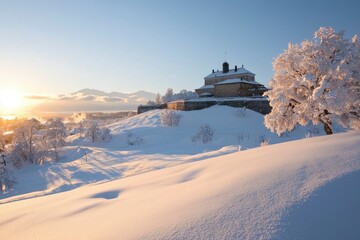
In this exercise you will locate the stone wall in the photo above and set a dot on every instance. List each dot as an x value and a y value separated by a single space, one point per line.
260 105
238 89
227 90
142 109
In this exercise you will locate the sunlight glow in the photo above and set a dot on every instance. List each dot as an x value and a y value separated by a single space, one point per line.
10 101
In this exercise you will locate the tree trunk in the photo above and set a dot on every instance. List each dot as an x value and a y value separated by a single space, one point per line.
325 120
328 128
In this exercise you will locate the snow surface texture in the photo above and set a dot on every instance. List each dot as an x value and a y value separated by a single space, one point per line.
141 144
262 193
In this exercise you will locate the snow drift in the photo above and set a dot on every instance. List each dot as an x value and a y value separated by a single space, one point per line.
261 193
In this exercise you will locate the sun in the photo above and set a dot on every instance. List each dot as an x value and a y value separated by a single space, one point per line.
10 101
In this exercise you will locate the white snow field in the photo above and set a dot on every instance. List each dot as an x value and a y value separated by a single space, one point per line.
159 147
306 189
167 187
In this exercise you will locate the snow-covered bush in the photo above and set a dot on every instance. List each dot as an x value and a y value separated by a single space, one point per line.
170 118
264 143
205 134
240 112
133 140
317 81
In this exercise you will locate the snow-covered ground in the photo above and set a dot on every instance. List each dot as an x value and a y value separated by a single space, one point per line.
168 187
159 147
306 189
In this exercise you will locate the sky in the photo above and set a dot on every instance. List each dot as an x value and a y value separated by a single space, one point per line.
57 47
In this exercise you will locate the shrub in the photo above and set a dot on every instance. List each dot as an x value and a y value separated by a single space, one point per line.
170 118
205 134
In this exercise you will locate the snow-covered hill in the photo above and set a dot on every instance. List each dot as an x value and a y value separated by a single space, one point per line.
141 144
306 189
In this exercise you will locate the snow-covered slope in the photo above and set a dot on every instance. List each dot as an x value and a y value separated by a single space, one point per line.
160 147
262 193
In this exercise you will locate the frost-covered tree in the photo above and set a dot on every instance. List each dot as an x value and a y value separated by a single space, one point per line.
92 131
170 118
185 94
151 103
27 144
96 133
168 95
316 81
105 134
56 131
158 99
55 135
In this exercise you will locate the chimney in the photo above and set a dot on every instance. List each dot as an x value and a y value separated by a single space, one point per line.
242 66
213 71
225 67
235 68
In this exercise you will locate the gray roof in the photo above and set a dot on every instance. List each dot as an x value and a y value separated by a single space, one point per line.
207 87
237 80
240 70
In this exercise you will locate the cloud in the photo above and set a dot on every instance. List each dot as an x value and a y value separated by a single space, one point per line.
87 98
107 99
87 101
66 97
80 97
38 97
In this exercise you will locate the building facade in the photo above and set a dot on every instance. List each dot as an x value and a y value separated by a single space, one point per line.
237 82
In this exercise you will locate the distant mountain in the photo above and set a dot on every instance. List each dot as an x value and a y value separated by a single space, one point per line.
94 100
139 94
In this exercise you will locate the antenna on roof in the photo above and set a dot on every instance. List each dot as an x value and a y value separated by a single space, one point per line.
225 56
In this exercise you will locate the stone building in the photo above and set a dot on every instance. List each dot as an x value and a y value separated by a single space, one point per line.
237 82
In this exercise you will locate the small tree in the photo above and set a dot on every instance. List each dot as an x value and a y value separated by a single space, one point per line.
92 131
96 133
55 135
168 95
316 81
158 100
105 135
